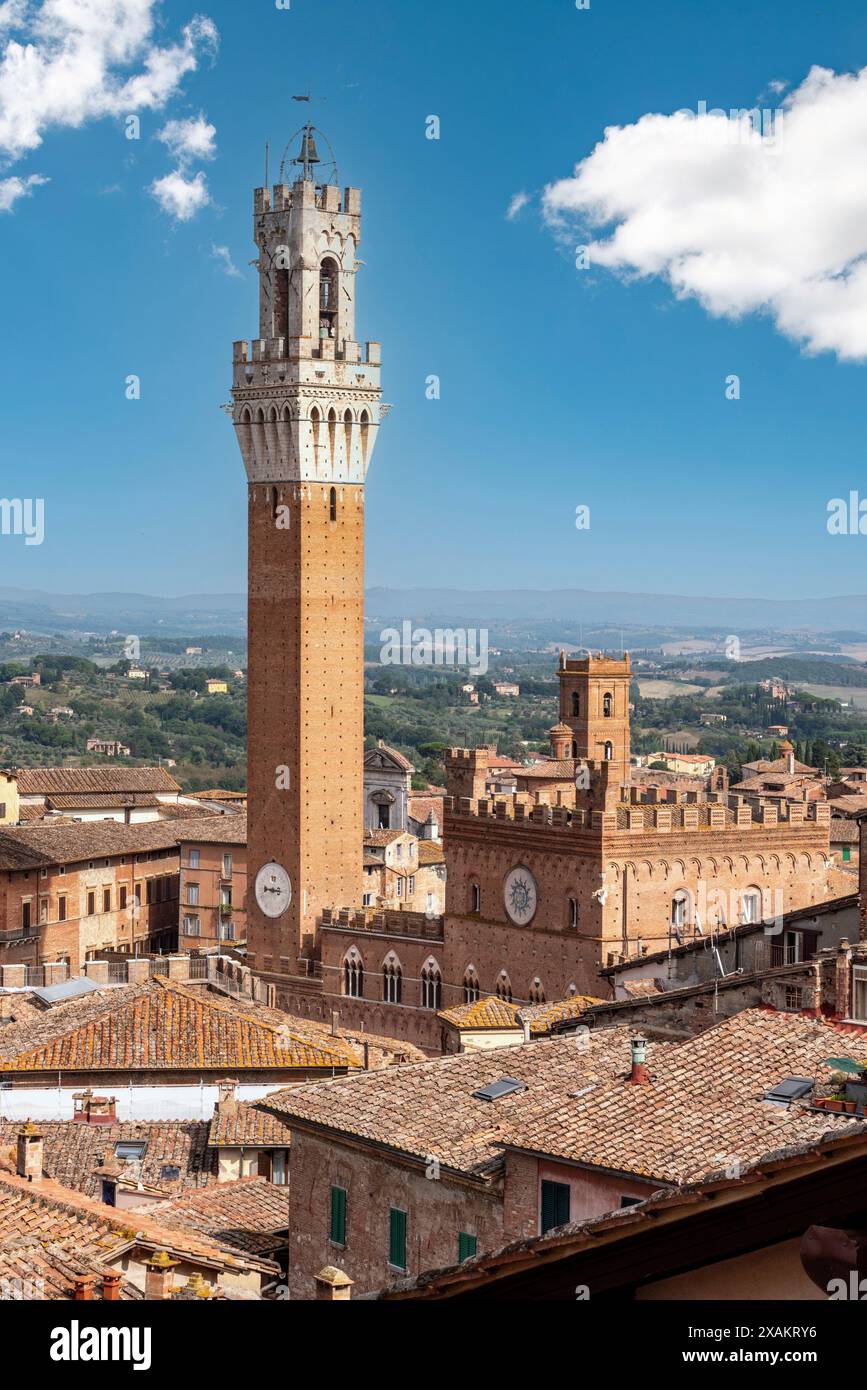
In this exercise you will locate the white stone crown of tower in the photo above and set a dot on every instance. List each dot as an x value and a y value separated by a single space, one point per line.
306 397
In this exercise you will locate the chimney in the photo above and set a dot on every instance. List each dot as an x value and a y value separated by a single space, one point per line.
111 1287
29 1155
335 1022
333 1285
94 1110
159 1278
83 1288
639 1075
526 1025
226 1089
843 976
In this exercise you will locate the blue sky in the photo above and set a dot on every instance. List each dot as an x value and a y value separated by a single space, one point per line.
559 387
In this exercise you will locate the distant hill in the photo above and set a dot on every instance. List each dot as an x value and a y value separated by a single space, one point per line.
591 606
190 613
185 615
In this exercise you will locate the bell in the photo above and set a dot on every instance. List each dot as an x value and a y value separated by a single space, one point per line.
309 153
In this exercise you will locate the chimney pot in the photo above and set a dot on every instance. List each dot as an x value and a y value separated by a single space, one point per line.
639 1075
29 1153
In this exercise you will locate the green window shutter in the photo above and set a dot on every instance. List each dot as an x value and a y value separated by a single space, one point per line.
467 1246
397 1238
555 1205
847 854
338 1215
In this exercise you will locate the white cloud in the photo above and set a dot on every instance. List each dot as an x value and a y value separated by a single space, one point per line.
13 188
223 255
12 14
179 196
741 221
189 140
74 62
518 202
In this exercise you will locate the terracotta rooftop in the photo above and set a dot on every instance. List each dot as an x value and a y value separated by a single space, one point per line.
217 830
91 1229
429 1109
544 1018
555 769
31 1262
250 1214
239 1123
93 801
48 843
72 1152
430 852
164 1026
383 837
777 765
487 1012
703 1107
421 808
44 781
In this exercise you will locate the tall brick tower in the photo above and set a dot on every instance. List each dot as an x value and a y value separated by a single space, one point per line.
306 409
594 704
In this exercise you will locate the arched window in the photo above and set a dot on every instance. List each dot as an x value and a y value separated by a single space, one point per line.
504 987
347 432
607 704
281 302
576 704
475 898
609 751
751 905
315 418
332 504
332 433
392 980
471 985
537 993
365 435
328 280
272 495
681 908
431 986
353 975
572 912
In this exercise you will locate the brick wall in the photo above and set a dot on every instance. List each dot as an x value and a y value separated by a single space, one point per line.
47 894
209 877
437 1210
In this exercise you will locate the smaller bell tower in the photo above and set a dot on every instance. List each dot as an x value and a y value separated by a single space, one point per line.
594 705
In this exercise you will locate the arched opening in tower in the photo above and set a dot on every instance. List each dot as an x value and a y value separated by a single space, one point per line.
281 303
328 282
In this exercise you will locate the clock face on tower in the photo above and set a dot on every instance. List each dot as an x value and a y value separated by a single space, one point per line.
520 895
273 890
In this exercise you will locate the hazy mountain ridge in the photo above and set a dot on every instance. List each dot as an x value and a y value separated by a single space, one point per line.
187 612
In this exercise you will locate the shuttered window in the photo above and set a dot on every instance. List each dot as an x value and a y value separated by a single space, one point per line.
397 1238
467 1246
555 1205
338 1215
